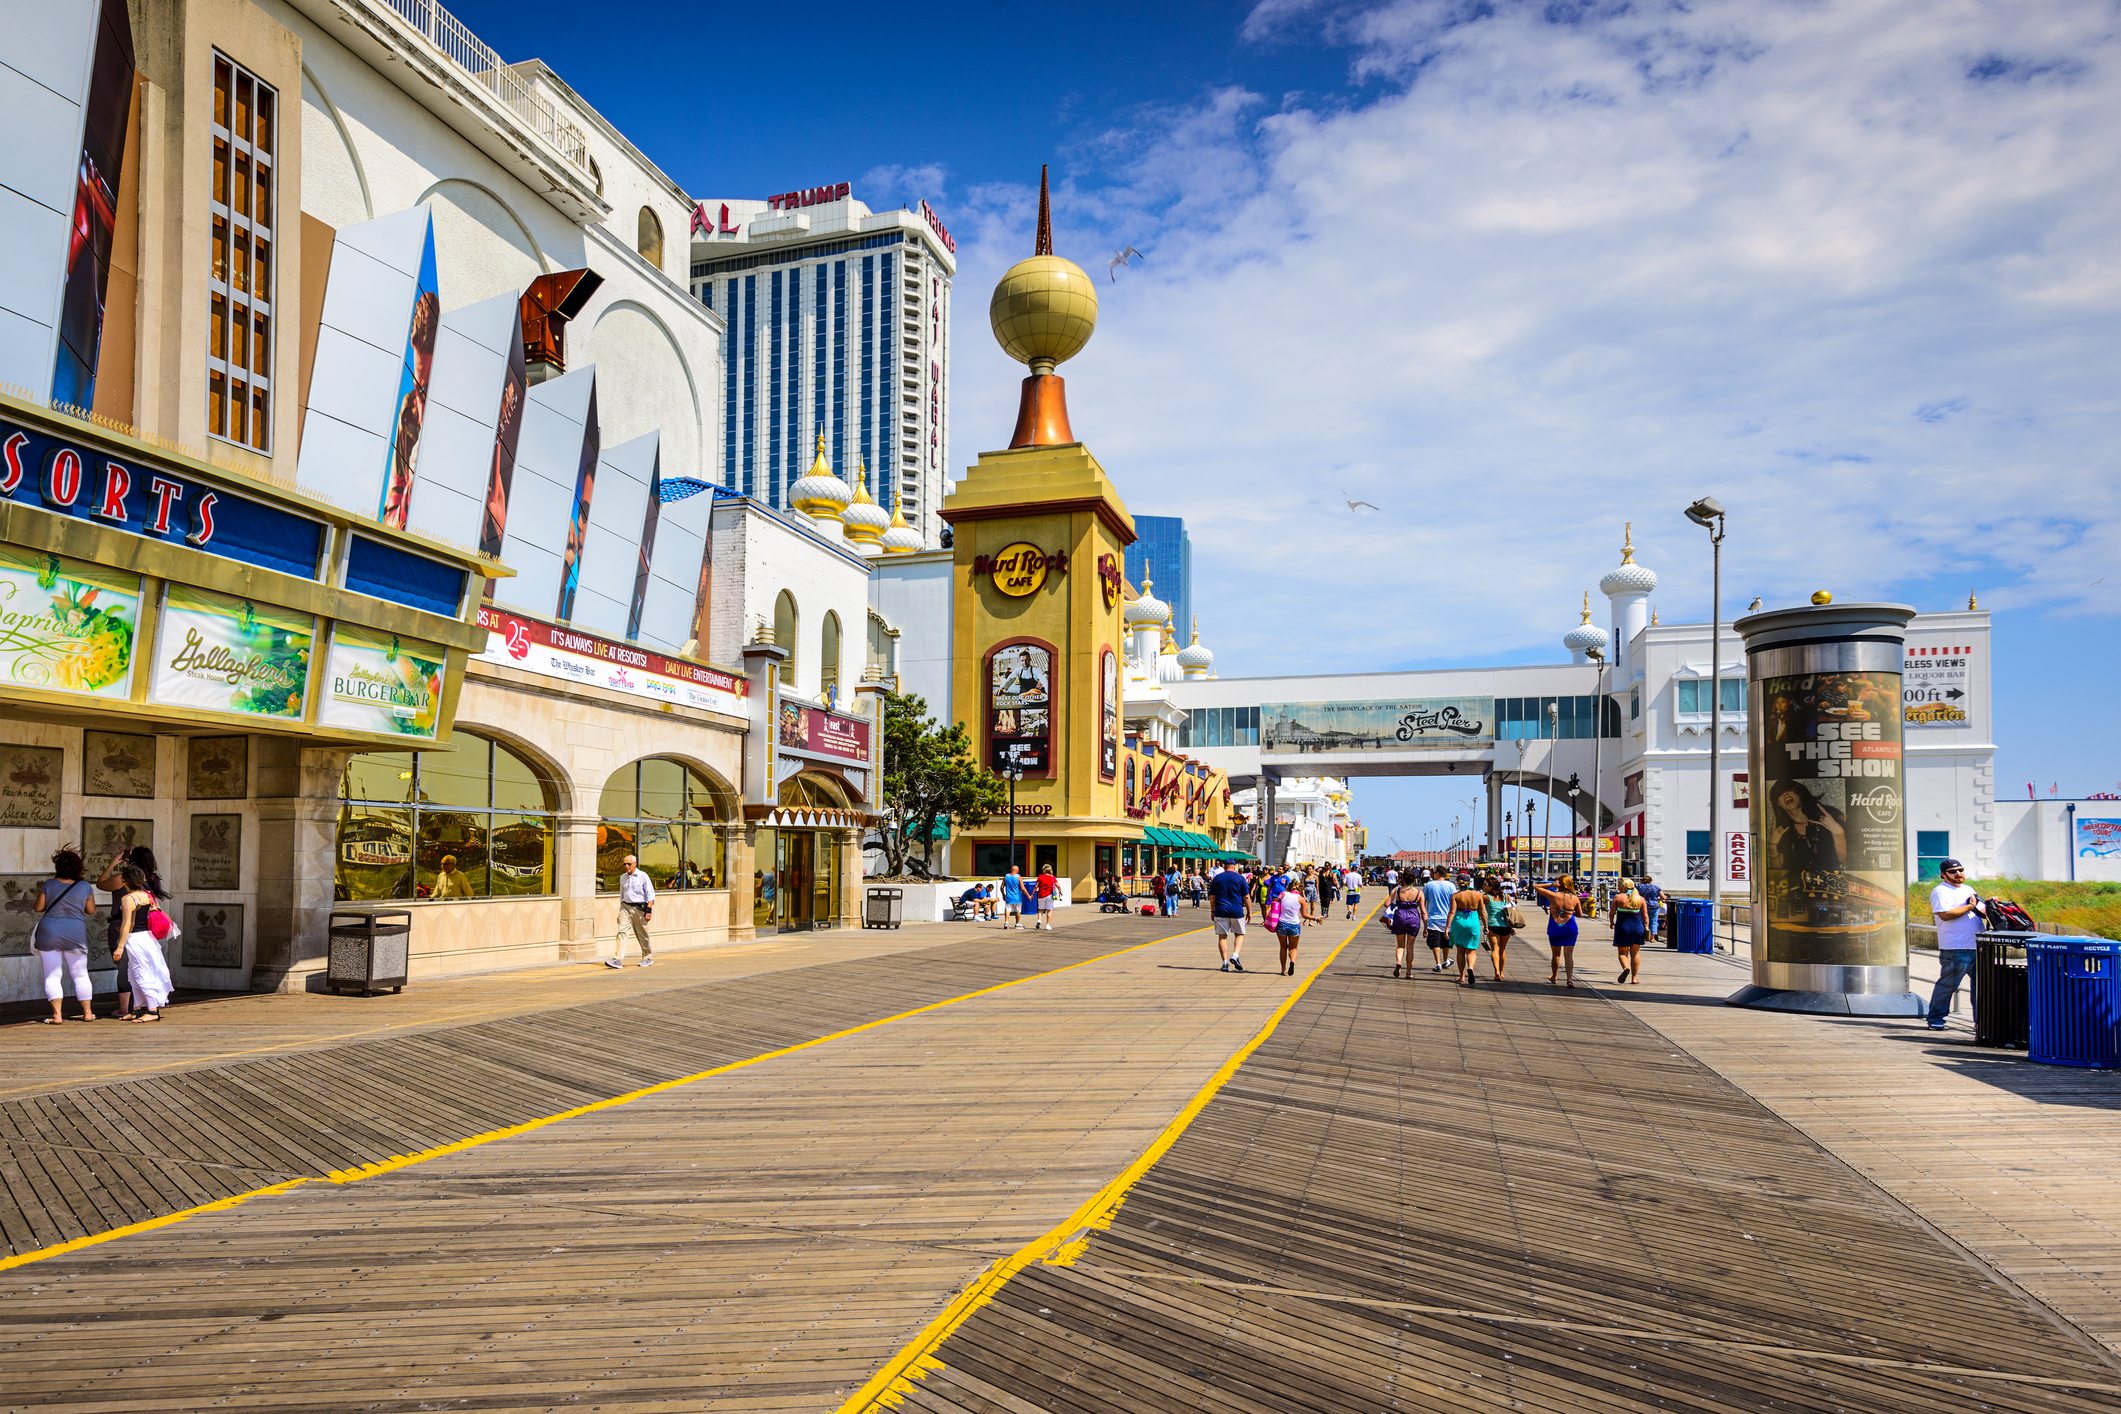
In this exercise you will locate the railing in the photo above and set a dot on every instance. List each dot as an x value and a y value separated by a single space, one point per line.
471 54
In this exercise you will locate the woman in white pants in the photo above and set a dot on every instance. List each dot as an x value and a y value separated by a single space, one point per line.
65 904
141 951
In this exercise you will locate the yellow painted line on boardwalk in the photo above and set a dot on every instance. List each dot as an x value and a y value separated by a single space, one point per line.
1060 1246
401 1161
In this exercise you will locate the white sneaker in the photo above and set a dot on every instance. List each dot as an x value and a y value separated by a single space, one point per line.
613 963
647 962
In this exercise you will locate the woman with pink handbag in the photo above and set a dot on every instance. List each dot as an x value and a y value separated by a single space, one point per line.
142 929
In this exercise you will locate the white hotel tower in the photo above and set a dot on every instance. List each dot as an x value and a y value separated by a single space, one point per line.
839 321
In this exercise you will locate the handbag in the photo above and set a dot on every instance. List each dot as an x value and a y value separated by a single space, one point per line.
1514 916
162 926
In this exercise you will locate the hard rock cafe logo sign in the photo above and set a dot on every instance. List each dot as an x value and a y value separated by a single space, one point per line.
1881 803
1020 568
1108 579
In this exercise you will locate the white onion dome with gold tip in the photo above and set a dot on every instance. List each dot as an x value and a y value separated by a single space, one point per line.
864 519
1627 577
1167 669
901 538
820 495
1194 659
1148 609
1586 635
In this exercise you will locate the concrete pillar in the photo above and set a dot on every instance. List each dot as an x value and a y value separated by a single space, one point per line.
739 845
574 878
1494 785
298 833
849 844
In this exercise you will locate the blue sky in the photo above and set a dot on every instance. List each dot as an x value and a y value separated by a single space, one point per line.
1516 272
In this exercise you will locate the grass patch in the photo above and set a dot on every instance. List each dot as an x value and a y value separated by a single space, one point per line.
2095 907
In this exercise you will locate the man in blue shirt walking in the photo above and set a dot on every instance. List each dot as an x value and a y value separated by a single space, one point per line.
1231 904
1436 910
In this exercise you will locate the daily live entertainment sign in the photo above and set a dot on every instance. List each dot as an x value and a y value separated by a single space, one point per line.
572 656
1289 728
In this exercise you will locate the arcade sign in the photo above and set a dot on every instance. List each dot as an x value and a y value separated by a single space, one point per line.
1020 569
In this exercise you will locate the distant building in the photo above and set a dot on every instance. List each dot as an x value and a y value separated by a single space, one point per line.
1165 553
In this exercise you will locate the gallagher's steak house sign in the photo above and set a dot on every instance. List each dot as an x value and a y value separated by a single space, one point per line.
571 656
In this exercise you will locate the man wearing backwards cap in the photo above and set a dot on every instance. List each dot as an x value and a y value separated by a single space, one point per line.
1957 910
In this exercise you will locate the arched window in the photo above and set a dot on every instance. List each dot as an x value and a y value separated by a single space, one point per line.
813 789
597 174
467 823
828 658
785 625
657 810
650 239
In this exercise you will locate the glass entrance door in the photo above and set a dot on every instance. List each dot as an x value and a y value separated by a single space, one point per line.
795 907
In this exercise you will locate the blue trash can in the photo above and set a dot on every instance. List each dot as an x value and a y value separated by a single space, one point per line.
1695 924
2073 1002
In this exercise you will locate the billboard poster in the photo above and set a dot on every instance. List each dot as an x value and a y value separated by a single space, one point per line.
1108 760
381 683
500 476
222 654
2098 839
1936 685
66 625
1294 728
571 656
1020 708
814 731
585 488
413 375
1829 818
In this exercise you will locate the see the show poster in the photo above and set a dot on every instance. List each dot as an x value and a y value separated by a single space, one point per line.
1828 816
66 625
223 654
379 682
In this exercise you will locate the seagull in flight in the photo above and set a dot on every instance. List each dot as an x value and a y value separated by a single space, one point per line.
1120 260
1356 505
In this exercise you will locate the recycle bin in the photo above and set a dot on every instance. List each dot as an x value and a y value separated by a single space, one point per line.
883 907
1694 925
371 949
1999 990
2073 997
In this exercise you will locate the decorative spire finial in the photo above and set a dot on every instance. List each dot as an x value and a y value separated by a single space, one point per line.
1196 628
1045 216
1653 616
1586 606
1627 544
1971 603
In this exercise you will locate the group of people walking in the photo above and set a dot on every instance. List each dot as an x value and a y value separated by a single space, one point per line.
1457 918
135 927
1287 900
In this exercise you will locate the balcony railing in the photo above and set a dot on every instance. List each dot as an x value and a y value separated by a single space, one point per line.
471 54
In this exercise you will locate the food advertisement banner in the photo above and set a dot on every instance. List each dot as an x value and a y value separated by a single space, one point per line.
381 683
66 625
550 651
1829 818
1020 709
1936 685
1293 728
222 654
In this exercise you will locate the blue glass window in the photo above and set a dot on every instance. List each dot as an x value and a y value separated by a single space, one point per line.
729 361
887 404
773 395
751 364
798 454
868 360
839 367
820 304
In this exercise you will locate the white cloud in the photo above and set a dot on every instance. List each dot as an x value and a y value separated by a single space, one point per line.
1849 266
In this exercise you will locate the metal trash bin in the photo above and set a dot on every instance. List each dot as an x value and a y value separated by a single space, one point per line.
2073 997
2000 1016
883 907
1693 925
371 949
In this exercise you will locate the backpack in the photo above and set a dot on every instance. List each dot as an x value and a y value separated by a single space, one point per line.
2007 917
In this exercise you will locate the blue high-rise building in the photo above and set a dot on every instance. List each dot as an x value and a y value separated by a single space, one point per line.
1165 554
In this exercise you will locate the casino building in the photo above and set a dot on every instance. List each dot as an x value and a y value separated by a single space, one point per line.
839 325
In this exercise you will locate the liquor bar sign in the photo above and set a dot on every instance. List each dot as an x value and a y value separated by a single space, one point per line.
551 651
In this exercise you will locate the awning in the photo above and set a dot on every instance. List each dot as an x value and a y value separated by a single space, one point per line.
1158 835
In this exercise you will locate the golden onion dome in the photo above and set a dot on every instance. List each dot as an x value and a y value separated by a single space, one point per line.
864 520
901 538
820 495
1043 311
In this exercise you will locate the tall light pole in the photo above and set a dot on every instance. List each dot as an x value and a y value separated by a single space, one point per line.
1520 798
1597 655
1708 514
1015 773
1553 740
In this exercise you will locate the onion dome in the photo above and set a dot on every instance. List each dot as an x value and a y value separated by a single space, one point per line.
864 519
901 538
820 495
1167 669
1628 577
1193 658
1586 635
1148 609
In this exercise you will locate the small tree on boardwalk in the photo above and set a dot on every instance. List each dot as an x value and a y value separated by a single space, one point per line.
930 776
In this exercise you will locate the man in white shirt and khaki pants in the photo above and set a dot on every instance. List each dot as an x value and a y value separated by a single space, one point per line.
636 906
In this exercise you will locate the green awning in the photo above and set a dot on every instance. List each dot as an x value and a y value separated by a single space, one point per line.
1205 843
1157 834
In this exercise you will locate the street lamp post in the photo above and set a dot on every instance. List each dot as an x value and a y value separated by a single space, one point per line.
1597 656
1708 514
1553 740
1015 773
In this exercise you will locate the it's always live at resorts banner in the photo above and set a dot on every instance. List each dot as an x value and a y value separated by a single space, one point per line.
1288 728
1828 814
548 650
379 682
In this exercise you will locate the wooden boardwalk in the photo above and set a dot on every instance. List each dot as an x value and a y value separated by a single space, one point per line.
1419 1196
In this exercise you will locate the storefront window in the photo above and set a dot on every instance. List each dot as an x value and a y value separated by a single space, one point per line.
660 811
468 823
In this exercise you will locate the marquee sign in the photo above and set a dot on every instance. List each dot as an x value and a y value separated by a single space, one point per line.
1020 569
572 656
